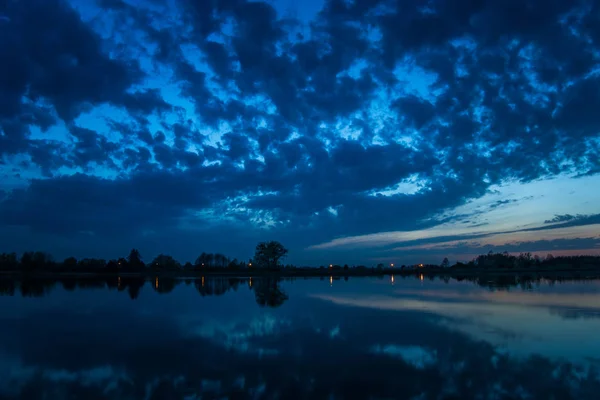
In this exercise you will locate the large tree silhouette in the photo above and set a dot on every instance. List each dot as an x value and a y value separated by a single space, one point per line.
268 254
135 259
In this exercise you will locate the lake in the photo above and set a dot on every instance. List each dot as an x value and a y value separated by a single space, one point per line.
332 338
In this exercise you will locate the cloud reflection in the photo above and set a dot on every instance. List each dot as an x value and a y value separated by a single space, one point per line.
524 323
363 339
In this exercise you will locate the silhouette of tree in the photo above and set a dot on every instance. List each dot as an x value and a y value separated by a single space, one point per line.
92 263
27 261
220 260
8 261
70 263
202 260
445 263
268 254
135 259
112 266
33 261
165 262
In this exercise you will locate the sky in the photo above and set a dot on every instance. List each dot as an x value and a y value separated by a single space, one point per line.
352 131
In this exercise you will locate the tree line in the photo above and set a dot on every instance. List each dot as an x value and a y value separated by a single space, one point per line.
267 255
527 260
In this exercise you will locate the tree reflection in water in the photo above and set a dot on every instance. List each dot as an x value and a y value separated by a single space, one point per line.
267 290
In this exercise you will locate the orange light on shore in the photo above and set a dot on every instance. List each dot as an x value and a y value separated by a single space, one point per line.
392 265
330 265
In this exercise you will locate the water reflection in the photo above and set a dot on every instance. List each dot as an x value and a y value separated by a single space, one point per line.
267 290
268 293
413 338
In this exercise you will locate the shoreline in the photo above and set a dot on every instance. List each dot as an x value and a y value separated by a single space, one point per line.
592 272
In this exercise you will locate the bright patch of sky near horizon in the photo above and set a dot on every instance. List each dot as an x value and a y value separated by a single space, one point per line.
526 205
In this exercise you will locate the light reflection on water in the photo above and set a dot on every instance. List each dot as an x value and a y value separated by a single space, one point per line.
307 338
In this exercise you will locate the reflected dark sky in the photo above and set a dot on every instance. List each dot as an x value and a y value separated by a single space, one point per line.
364 338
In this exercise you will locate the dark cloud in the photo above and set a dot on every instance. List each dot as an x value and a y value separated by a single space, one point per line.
562 218
557 245
82 203
56 68
501 203
558 222
568 220
55 56
285 128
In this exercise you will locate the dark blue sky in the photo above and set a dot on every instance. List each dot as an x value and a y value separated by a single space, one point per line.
352 131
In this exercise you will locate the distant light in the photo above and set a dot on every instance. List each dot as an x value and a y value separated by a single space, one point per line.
392 265
330 265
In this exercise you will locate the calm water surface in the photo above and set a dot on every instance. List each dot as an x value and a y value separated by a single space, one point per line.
361 338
